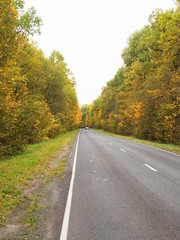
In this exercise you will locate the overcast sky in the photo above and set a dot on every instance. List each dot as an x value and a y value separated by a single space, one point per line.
91 36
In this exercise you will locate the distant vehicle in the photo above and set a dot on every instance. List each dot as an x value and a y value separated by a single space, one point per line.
87 128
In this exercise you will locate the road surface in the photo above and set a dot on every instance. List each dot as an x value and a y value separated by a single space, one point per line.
123 190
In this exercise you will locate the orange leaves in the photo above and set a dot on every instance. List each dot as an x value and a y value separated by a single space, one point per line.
78 119
137 108
110 119
143 97
100 114
87 121
7 36
155 93
37 99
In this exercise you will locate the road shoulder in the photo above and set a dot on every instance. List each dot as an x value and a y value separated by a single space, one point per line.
41 215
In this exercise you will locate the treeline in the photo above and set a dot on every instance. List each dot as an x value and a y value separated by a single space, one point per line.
37 94
143 97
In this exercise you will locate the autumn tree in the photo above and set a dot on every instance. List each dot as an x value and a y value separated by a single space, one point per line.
143 97
28 23
37 95
8 16
85 113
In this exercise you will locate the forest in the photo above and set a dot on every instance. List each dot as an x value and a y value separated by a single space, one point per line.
143 99
38 98
37 94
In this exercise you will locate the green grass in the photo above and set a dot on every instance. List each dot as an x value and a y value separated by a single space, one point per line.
30 221
17 172
169 147
33 207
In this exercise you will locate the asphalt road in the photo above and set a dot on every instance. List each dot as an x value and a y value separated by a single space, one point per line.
124 191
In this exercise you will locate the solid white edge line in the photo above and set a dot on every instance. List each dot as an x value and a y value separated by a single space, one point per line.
150 167
163 150
64 229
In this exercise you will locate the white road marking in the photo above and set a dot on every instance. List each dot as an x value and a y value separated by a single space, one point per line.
150 167
110 143
64 230
123 150
163 150
104 140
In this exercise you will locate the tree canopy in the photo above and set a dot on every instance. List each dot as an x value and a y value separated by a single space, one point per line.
37 94
143 97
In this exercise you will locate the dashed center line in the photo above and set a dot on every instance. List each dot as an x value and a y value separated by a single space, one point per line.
153 169
123 150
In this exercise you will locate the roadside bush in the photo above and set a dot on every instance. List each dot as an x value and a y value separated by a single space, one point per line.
37 122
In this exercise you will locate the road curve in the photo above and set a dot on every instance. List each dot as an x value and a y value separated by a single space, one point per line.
124 191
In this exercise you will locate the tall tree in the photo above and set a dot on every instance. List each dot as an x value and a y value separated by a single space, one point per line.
143 97
27 23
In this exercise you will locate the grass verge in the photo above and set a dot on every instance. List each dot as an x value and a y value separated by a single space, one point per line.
169 147
17 172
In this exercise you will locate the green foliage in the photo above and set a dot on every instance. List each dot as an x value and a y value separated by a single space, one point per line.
33 207
178 4
18 4
56 57
31 61
36 121
143 97
27 23
30 221
168 147
8 17
85 112
37 94
12 93
16 173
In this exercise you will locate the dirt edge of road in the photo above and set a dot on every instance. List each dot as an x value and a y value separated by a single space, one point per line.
41 215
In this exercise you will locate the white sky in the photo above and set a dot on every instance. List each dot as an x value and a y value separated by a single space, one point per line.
91 36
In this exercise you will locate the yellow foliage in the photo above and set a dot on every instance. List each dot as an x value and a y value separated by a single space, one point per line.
137 110
100 114
87 120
